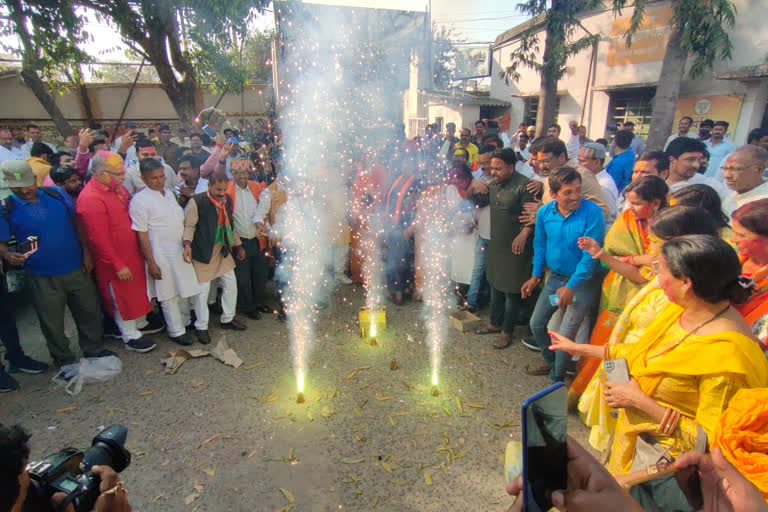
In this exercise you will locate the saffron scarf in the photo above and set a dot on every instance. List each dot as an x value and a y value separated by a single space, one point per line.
224 234
742 435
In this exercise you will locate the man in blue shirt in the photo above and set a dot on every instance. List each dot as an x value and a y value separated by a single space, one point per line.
574 281
620 167
58 273
719 147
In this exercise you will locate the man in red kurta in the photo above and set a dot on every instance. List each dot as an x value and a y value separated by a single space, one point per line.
119 265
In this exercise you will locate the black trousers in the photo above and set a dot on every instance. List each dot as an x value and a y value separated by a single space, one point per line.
251 275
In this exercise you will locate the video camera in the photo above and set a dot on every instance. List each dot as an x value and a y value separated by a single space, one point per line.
69 471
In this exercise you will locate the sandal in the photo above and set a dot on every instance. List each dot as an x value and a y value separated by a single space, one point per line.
488 329
502 341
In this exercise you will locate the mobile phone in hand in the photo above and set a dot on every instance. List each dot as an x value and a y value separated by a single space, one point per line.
209 131
28 247
545 454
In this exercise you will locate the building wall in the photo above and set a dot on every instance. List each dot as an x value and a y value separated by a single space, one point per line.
149 104
750 49
463 115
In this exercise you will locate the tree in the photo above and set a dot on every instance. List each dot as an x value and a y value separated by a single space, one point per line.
560 22
443 56
257 56
188 42
698 29
49 33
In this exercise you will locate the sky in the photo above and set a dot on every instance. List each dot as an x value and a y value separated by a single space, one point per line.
472 20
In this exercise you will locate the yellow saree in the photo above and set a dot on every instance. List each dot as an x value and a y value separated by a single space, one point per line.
696 376
640 312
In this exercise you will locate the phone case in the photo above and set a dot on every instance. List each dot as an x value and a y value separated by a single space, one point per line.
526 403
616 370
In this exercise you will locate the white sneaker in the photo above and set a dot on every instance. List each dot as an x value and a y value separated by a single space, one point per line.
343 279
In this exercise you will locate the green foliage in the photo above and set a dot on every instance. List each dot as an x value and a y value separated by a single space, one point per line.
50 35
443 56
703 26
561 22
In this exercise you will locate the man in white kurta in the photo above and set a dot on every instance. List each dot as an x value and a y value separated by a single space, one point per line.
158 221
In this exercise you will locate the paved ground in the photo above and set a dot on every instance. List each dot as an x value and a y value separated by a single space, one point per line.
375 440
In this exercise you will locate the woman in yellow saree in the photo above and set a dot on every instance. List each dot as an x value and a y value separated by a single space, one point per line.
626 239
691 359
638 314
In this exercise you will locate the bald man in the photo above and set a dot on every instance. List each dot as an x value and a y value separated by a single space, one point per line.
743 174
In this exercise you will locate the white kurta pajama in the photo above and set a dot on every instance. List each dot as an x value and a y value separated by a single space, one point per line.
161 217
464 237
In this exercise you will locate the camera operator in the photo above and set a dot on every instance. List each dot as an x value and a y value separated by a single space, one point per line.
15 481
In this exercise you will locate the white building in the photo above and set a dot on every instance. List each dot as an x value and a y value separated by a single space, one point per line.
615 83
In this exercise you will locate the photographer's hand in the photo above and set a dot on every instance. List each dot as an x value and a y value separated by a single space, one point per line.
113 496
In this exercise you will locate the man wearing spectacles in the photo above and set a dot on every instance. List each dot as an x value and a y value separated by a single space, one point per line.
102 207
743 174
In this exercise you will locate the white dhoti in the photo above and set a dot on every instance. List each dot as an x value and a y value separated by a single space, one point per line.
161 217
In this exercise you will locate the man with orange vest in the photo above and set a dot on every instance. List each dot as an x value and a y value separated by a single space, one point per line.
250 272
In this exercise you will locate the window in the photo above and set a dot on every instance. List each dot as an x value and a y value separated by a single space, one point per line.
531 110
632 105
439 123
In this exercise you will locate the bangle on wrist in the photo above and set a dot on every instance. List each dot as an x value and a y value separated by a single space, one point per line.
598 254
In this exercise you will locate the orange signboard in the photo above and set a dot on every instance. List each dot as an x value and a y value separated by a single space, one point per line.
726 107
649 43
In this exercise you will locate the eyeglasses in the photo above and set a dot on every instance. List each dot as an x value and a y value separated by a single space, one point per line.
736 170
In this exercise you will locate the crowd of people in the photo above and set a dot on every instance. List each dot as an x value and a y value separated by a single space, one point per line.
601 250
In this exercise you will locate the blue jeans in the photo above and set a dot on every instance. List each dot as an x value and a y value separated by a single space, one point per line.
505 308
584 299
478 282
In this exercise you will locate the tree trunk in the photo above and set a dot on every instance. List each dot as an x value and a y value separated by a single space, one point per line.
29 68
85 99
46 100
180 93
667 92
545 115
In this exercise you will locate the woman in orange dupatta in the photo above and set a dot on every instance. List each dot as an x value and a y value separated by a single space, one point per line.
750 235
689 362
627 239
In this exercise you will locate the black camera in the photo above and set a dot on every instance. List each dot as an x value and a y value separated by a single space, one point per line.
69 471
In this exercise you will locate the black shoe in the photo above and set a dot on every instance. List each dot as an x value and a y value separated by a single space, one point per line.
154 326
25 364
203 336
104 353
184 339
233 325
140 345
7 383
254 315
266 310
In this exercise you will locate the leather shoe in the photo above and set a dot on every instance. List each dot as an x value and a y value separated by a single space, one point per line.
233 325
203 336
183 339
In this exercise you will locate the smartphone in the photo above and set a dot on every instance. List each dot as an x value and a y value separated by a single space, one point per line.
545 455
616 370
554 299
28 247
209 131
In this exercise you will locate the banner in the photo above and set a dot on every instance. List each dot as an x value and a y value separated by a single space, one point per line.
472 62
725 107
649 43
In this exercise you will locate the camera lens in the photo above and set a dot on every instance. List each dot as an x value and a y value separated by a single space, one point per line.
108 449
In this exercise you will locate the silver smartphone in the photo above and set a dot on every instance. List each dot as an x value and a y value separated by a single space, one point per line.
616 370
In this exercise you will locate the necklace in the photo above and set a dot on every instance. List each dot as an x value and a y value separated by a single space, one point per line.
712 319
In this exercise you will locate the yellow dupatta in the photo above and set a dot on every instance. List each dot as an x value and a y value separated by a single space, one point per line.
726 352
627 237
